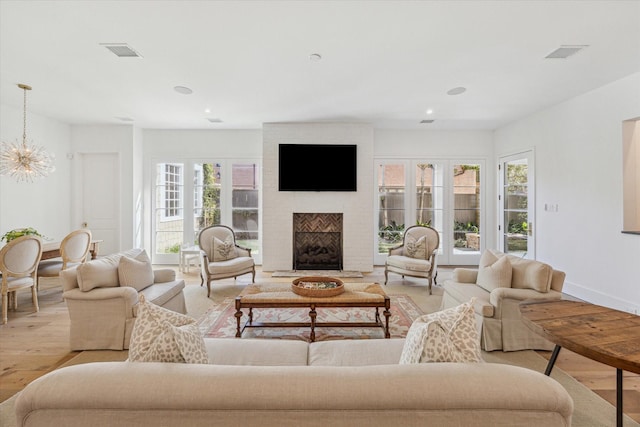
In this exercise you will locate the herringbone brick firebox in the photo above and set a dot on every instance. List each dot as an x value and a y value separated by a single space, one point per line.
317 241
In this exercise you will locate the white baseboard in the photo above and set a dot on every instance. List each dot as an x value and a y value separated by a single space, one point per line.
599 298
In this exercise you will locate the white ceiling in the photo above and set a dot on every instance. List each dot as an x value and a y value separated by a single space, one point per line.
383 62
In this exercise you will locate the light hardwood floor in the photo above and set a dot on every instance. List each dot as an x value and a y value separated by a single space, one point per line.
34 344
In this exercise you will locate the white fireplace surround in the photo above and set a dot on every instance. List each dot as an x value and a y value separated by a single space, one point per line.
356 207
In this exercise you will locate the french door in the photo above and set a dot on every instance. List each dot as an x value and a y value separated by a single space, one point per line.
516 219
192 195
443 194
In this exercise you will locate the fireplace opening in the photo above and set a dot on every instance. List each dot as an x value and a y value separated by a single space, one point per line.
317 251
317 241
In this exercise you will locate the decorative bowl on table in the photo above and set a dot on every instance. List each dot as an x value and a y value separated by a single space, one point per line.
317 286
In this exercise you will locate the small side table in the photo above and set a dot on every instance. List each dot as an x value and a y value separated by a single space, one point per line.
186 253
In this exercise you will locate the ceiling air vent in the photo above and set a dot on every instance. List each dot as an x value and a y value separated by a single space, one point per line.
564 51
215 120
122 50
427 121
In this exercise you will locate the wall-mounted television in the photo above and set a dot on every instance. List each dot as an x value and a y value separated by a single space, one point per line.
317 167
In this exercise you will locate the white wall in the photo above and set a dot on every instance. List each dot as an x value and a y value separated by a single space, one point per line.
43 204
578 146
279 206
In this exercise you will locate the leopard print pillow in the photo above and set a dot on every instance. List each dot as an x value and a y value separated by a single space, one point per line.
445 336
162 335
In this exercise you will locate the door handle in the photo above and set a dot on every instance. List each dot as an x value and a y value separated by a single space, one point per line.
84 225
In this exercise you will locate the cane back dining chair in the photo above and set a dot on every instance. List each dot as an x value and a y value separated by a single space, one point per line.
221 257
416 257
19 268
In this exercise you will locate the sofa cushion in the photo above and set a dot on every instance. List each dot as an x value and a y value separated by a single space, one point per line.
224 250
416 248
98 273
256 352
408 263
493 272
136 272
463 292
355 352
161 293
449 335
161 335
530 274
231 265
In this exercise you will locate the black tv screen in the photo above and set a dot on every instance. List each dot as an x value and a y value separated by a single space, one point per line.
317 167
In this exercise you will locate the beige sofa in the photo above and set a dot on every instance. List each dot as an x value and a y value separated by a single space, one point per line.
293 383
103 310
498 296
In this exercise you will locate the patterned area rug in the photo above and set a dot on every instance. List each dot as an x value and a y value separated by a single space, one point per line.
219 321
330 273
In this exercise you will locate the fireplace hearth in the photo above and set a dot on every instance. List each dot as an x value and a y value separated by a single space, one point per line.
317 241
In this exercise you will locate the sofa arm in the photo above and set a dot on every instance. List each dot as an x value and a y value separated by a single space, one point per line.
498 295
127 293
464 275
164 275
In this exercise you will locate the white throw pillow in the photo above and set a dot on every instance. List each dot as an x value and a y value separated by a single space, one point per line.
98 273
136 272
444 336
162 335
416 248
224 250
494 272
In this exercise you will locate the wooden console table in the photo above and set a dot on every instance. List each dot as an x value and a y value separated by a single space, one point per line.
599 333
281 296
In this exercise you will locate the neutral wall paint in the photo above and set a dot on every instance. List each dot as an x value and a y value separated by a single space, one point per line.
578 146
43 204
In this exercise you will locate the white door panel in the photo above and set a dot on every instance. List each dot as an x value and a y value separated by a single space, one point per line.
100 199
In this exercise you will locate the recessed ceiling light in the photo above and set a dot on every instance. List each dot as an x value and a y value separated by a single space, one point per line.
183 90
429 111
565 51
122 50
207 110
427 121
456 90
315 57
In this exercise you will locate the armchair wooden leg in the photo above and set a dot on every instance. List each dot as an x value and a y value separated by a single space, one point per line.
208 288
385 276
253 275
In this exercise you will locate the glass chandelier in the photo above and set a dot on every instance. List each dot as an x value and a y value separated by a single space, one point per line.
25 162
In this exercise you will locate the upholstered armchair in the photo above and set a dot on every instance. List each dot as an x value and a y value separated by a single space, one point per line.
221 257
18 269
416 257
